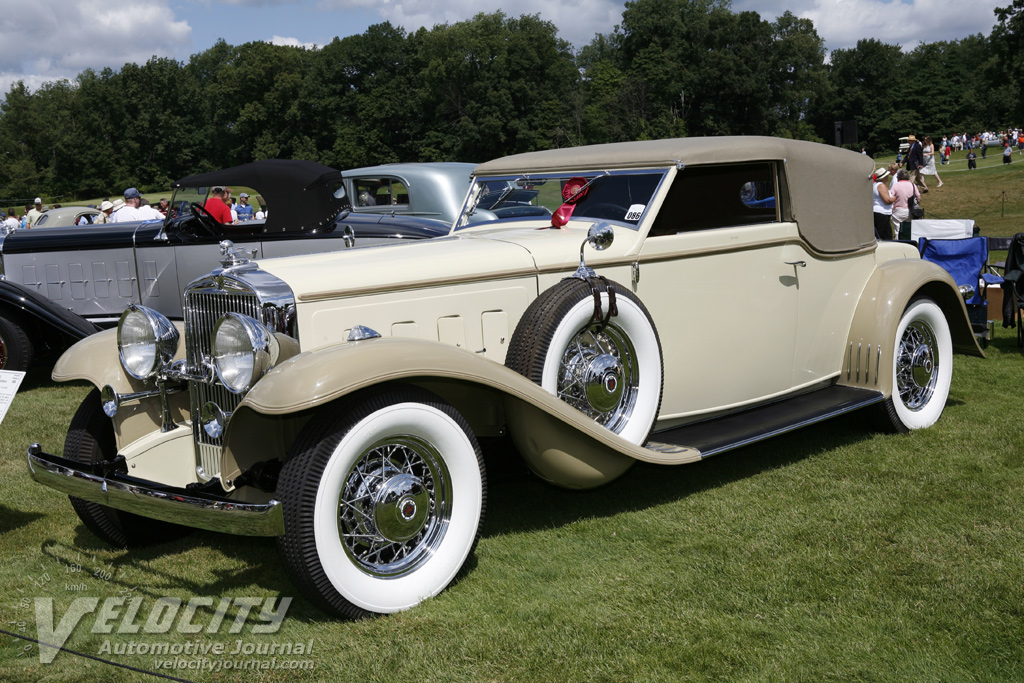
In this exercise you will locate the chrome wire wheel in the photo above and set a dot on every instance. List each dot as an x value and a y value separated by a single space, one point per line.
599 375
383 496
922 368
917 365
395 506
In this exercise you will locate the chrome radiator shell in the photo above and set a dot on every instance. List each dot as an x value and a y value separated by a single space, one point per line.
246 290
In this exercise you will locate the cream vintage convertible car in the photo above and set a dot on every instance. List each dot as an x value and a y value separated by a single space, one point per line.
659 301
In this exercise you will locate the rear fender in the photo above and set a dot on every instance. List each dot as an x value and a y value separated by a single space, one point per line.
893 285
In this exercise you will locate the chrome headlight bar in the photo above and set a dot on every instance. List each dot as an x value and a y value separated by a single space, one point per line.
243 351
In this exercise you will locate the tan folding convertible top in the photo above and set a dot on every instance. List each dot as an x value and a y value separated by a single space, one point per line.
829 188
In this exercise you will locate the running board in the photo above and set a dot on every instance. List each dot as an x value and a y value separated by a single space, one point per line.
739 429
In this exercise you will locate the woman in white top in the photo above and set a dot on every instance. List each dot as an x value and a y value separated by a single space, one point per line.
882 206
929 160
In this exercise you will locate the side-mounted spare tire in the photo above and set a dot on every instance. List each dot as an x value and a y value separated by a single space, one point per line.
607 366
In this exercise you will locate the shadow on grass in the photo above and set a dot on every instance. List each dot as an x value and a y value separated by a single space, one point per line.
11 519
519 501
38 376
1005 341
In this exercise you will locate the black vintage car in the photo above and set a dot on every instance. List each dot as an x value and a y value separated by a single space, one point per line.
59 285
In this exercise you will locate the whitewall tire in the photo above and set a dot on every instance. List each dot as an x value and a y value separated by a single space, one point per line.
922 367
383 502
613 375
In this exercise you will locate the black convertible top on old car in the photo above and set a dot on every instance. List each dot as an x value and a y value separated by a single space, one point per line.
294 187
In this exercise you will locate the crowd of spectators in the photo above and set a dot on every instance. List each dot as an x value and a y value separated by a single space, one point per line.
134 207
1005 141
894 201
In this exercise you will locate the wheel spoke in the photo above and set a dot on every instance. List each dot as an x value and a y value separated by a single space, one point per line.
383 496
579 373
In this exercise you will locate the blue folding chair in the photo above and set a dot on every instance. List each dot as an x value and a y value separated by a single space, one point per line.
966 261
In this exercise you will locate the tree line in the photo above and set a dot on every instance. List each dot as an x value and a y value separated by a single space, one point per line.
497 85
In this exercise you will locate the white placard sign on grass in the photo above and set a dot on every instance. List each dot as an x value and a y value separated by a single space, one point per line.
10 380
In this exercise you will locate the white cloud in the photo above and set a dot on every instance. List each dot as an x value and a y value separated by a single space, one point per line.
46 40
908 23
291 42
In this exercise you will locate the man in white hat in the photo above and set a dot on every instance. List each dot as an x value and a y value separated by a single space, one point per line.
34 213
105 210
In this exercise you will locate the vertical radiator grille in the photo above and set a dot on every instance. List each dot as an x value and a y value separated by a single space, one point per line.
203 308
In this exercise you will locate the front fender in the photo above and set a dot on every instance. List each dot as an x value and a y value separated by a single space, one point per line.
48 316
560 443
95 359
872 339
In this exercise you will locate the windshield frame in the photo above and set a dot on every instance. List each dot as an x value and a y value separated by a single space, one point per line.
475 194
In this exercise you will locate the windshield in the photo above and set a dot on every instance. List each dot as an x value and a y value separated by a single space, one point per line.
621 196
184 197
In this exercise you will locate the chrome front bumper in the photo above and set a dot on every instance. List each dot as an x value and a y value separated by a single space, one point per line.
149 499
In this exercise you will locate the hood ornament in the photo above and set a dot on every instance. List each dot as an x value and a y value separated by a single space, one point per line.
232 256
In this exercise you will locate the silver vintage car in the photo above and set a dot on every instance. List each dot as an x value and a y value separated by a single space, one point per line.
659 301
60 285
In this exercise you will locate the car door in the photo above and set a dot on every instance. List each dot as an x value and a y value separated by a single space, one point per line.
720 282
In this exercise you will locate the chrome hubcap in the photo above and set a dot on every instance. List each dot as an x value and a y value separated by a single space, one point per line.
917 365
599 376
395 506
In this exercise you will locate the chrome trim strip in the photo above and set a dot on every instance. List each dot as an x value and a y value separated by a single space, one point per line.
859 345
568 267
173 505
440 282
878 362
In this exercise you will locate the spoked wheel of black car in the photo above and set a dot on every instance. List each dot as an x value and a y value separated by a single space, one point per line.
611 373
209 223
922 367
91 439
383 499
15 346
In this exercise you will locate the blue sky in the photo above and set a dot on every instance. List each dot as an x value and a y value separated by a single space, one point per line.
45 40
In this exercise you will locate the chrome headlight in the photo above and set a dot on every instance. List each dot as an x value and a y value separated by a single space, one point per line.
243 351
146 341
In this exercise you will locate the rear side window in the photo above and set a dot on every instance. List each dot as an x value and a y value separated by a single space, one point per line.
380 192
708 197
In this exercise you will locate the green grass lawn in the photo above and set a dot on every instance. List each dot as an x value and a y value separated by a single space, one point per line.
833 553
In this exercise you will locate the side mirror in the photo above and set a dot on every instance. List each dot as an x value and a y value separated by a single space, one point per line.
600 237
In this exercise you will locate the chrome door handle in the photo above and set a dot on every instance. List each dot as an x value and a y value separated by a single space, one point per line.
802 264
